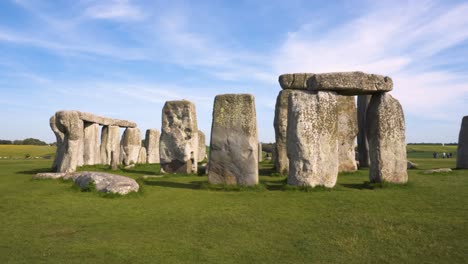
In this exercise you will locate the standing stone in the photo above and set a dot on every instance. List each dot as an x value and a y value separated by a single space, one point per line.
347 131
142 156
462 153
114 161
201 146
280 153
312 138
234 141
70 124
131 143
178 147
92 153
260 152
386 136
363 145
59 135
152 145
110 142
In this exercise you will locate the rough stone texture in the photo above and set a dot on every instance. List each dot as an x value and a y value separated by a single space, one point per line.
201 146
91 149
295 81
442 170
60 136
280 123
105 182
350 83
50 175
114 163
70 124
131 143
363 145
347 131
234 141
178 147
386 136
260 152
152 145
142 156
312 139
462 152
110 142
104 121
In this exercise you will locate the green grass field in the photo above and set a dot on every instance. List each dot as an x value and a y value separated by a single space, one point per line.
181 219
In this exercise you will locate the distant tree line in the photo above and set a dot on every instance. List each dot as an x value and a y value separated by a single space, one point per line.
28 141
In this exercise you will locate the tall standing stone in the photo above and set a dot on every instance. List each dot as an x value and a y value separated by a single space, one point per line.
234 141
280 154
178 147
386 136
60 136
152 145
201 146
92 152
347 131
70 124
462 152
260 152
110 142
312 138
142 156
131 143
363 145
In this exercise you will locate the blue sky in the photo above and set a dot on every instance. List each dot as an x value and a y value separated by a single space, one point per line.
125 58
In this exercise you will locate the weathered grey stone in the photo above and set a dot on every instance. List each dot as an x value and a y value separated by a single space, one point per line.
91 149
201 146
295 81
131 143
114 163
104 121
462 152
110 142
363 145
142 157
441 170
234 141
280 123
312 139
108 183
411 165
69 123
60 136
350 83
152 145
178 147
49 175
386 136
260 152
347 131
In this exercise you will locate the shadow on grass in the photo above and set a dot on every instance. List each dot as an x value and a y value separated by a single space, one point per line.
375 186
171 184
35 171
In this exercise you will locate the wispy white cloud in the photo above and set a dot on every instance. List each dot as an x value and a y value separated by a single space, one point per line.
115 10
396 40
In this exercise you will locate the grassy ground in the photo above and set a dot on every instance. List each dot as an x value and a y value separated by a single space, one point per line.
20 151
181 219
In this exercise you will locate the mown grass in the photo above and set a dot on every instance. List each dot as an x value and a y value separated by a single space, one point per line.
21 151
183 219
